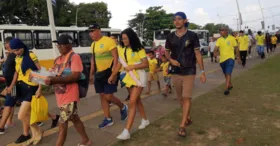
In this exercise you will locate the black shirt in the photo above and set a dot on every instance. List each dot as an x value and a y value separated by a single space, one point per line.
9 68
185 46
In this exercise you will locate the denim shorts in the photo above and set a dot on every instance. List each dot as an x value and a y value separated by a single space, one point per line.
227 66
25 91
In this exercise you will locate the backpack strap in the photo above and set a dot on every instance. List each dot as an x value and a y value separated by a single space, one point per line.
67 61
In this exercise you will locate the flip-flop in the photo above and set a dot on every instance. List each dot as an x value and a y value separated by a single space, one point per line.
189 122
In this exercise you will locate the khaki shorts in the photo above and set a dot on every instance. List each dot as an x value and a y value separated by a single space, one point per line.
68 112
153 77
183 85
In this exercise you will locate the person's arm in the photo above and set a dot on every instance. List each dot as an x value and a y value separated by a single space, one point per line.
143 65
115 55
116 69
92 69
74 77
13 83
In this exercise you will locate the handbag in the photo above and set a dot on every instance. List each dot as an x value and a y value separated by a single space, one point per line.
176 69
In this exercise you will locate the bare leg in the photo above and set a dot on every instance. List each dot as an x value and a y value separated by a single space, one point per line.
24 116
10 119
186 111
105 106
141 109
63 127
5 116
79 126
114 99
228 81
158 83
134 96
149 87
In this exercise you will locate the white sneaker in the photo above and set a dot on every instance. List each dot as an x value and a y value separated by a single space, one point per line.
144 124
125 135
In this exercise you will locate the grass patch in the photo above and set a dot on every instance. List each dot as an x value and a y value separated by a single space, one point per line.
249 116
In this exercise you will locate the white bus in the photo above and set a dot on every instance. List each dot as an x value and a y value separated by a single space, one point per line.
160 36
38 39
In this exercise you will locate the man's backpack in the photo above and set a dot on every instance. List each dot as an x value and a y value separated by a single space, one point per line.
83 84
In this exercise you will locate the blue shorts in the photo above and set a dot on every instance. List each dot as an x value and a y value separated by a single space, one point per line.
25 91
10 101
227 66
122 75
102 86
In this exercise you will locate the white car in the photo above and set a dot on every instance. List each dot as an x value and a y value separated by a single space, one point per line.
203 48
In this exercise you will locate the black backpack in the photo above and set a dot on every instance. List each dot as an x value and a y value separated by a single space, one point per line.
82 84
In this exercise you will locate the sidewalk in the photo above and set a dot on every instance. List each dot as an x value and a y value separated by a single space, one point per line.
155 105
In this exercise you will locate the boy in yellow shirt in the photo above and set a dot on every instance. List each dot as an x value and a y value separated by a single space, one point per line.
153 71
166 76
274 42
243 42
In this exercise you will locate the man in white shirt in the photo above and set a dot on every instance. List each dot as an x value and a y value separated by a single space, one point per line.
211 49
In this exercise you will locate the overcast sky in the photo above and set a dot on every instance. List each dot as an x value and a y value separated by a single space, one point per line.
198 11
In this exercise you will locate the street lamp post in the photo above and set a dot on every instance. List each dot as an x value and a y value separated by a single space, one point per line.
262 14
239 15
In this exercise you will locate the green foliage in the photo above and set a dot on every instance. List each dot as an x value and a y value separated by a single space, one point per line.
34 12
155 18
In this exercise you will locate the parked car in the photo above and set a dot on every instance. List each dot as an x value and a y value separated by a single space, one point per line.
203 48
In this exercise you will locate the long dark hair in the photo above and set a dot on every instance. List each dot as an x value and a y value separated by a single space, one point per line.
134 41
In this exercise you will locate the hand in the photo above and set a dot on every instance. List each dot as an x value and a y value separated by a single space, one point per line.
48 81
129 68
112 79
239 60
174 62
91 79
9 90
202 78
38 93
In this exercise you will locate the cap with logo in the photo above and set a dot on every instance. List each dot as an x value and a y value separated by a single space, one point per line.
93 27
64 39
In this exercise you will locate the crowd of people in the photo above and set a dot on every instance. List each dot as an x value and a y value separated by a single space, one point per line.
112 62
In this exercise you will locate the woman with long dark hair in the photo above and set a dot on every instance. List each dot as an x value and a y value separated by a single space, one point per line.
25 63
134 55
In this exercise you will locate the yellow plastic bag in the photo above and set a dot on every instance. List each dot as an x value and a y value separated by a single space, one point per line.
39 109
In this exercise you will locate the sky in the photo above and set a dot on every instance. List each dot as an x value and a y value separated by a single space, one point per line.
198 11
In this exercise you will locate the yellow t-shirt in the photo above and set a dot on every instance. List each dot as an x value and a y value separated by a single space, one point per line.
243 43
132 58
164 67
102 50
21 76
226 47
153 65
260 40
119 50
274 40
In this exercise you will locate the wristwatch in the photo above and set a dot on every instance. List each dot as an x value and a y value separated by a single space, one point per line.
202 71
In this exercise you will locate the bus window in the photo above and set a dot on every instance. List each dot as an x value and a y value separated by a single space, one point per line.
162 35
42 39
25 36
73 34
84 38
106 33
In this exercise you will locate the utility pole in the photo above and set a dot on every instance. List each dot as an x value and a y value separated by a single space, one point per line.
52 25
239 15
262 14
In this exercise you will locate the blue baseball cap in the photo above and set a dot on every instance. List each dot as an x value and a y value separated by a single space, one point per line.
181 14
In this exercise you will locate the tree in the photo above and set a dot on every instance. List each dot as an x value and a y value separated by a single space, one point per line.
155 18
214 28
194 26
93 13
34 12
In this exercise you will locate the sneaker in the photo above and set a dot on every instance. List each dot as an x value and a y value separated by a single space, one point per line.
106 123
55 121
125 135
39 124
144 124
124 113
22 139
2 131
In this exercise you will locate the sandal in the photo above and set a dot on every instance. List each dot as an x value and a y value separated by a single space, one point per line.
182 132
189 122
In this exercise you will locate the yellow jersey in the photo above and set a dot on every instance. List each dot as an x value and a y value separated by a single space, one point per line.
227 47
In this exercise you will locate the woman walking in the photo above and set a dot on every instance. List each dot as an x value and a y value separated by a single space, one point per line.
25 63
134 55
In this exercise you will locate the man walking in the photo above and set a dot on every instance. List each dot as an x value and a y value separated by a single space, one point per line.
227 45
185 53
243 42
105 58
